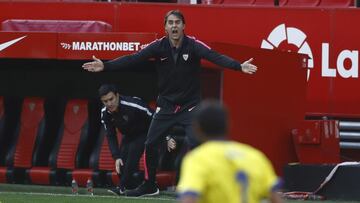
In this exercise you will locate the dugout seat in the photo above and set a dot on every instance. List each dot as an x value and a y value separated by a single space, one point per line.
100 163
73 144
9 124
32 127
102 167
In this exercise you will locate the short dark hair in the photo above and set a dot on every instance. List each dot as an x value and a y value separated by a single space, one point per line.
212 118
176 13
106 88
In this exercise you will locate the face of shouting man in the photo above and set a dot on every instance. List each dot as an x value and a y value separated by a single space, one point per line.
174 28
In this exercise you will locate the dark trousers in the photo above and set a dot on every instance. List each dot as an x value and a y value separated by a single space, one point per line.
160 125
132 151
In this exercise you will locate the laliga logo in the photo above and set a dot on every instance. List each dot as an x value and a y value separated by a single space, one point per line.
296 37
293 36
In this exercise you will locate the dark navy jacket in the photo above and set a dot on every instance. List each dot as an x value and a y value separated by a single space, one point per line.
178 78
132 119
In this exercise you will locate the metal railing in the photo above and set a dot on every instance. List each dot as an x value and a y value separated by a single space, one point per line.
349 134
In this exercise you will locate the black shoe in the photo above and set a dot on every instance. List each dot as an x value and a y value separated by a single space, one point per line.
145 189
117 191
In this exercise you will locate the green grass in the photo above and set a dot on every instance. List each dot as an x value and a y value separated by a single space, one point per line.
14 197
14 193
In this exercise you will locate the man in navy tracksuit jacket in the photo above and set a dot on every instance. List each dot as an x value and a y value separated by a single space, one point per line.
177 59
131 117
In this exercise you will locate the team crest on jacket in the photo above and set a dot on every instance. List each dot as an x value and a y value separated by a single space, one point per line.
185 57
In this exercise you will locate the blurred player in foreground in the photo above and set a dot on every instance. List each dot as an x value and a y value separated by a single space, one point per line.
221 170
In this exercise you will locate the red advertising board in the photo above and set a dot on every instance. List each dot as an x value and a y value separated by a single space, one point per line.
104 46
324 33
28 45
71 46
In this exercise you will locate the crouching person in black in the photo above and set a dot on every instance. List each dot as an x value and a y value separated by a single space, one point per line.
131 117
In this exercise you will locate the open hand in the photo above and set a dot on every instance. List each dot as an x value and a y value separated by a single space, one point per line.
248 68
118 164
95 66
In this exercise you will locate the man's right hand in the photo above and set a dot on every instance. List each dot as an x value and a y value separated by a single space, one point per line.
95 66
118 164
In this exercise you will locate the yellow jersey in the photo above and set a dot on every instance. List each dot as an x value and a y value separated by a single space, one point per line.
227 172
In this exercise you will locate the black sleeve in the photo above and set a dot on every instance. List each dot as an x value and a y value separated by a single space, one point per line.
124 141
124 62
216 58
112 139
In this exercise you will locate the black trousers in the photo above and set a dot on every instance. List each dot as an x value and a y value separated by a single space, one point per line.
131 151
160 125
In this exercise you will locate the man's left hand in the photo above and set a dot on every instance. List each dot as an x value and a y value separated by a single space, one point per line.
248 68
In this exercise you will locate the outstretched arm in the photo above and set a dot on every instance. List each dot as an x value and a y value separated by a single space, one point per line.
223 60
122 62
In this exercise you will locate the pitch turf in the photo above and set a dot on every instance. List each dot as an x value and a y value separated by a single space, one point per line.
14 193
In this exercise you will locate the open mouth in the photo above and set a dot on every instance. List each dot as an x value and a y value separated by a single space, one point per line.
174 31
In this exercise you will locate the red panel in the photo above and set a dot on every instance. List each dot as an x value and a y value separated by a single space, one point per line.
28 45
269 2
165 179
302 3
337 3
55 25
239 2
3 174
40 175
76 114
344 95
308 133
317 142
82 175
72 46
265 107
31 116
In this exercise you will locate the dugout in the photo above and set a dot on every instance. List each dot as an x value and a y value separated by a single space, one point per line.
52 71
